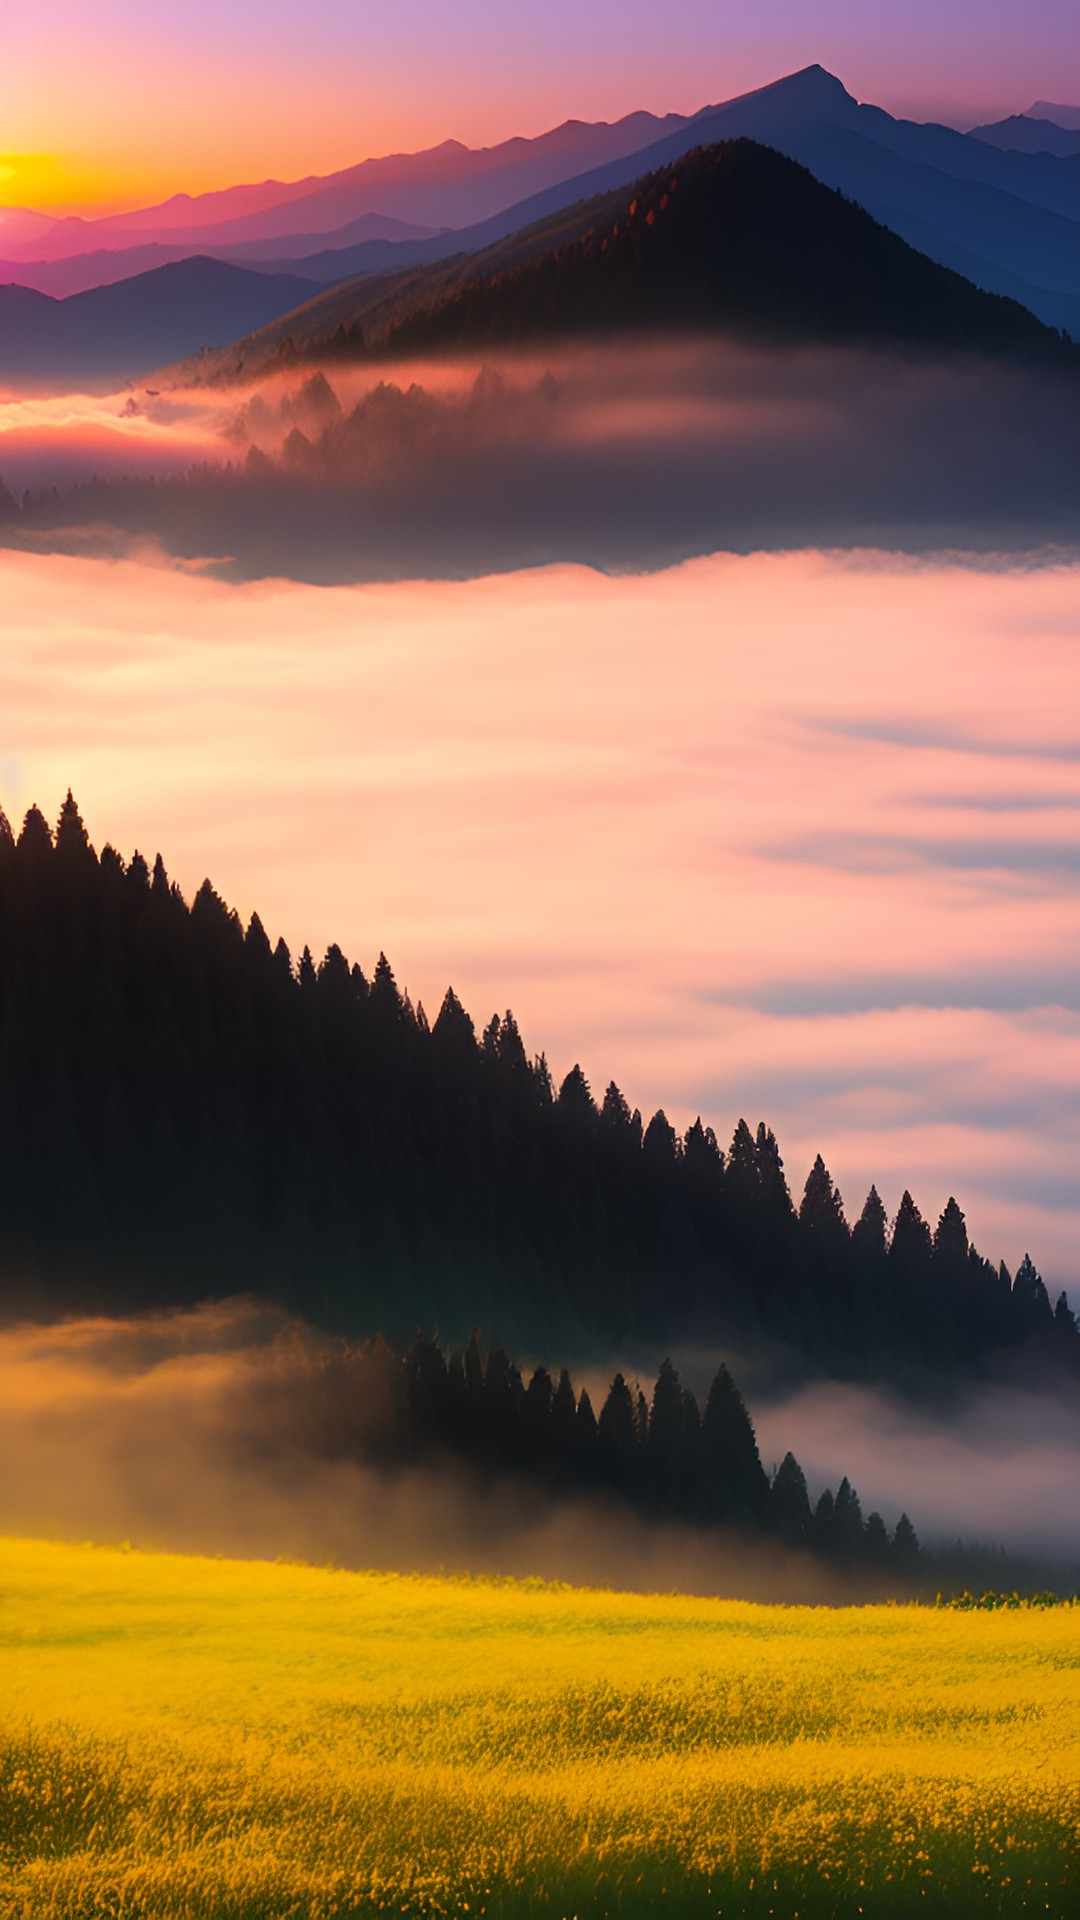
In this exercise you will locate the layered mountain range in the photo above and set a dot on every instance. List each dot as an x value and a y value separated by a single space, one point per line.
731 236
1000 205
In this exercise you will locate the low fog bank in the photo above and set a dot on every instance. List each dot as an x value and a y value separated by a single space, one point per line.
624 458
235 1430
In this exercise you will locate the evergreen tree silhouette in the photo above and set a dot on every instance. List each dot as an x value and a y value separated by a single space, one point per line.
905 1546
869 1235
847 1523
1030 1300
733 1483
877 1544
789 1502
617 1441
664 1447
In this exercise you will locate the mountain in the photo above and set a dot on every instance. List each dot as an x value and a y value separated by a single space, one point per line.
116 333
1061 116
447 185
184 1112
373 234
1008 219
732 236
1022 134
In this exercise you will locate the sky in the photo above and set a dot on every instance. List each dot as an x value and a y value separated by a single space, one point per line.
114 104
792 836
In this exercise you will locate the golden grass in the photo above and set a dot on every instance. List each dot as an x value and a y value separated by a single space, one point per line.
186 1737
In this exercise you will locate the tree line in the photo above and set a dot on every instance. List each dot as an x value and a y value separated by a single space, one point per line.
661 1454
186 1112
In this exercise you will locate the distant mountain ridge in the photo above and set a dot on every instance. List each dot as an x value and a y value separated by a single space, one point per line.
1062 116
78 273
116 333
1021 133
732 236
449 184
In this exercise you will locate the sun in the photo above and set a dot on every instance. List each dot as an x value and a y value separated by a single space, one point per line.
57 183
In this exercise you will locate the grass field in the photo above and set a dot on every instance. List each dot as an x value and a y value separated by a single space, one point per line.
186 1737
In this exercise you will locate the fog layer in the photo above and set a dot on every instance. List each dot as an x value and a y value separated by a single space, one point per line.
234 1430
618 458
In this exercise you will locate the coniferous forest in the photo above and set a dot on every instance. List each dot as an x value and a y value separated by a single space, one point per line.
661 1455
187 1111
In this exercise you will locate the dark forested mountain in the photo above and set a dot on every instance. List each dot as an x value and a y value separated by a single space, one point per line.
732 236
185 1113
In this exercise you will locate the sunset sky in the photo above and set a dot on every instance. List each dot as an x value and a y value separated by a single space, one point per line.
117 104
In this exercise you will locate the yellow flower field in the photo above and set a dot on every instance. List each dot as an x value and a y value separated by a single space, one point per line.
186 1737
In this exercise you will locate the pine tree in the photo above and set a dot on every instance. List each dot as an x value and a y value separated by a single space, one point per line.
950 1238
72 843
1031 1302
847 1522
733 1483
617 1446
789 1502
584 1455
822 1529
660 1146
453 1034
876 1541
869 1235
563 1425
575 1102
821 1212
905 1546
34 845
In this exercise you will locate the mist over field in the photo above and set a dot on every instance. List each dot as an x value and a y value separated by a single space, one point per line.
235 1430
624 458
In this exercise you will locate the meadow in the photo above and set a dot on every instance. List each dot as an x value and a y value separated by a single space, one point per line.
188 1737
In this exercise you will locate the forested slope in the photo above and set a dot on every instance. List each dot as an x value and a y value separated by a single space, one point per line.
185 1112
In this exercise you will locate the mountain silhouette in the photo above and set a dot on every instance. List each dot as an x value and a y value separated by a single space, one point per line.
115 333
1022 134
446 185
372 233
1007 219
732 236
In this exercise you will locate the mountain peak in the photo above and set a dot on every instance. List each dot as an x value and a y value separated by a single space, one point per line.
812 83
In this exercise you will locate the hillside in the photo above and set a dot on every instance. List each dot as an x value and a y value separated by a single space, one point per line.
184 1113
732 236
